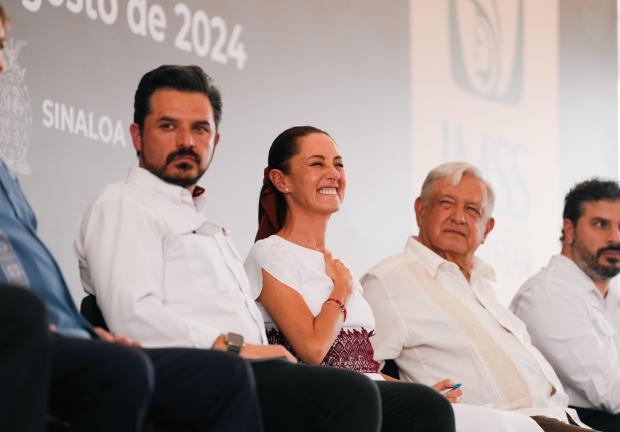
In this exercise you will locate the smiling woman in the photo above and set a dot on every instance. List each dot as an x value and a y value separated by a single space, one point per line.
312 304
272 209
305 294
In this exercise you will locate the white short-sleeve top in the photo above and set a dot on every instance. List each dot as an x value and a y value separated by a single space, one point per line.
303 270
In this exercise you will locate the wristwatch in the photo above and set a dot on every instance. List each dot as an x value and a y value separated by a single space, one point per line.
234 342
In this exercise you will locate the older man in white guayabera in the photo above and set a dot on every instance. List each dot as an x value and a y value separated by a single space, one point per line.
436 311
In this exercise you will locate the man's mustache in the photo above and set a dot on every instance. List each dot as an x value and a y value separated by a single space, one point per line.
187 152
610 248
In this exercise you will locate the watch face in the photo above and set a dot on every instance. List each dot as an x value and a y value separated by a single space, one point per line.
234 339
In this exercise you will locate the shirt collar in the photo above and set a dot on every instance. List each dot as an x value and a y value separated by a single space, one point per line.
612 294
568 267
432 262
144 178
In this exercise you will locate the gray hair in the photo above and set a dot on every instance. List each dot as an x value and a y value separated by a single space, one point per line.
455 171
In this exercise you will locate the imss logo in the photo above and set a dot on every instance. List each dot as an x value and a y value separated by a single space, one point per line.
486 47
15 112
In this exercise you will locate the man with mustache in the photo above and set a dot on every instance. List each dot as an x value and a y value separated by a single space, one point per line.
572 312
166 276
437 315
57 372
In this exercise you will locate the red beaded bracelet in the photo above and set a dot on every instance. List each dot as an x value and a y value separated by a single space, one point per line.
340 304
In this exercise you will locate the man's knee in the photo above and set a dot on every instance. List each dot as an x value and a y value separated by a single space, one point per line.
241 373
24 317
21 303
125 373
140 372
234 370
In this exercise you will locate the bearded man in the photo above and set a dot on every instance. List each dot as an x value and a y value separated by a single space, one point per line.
571 310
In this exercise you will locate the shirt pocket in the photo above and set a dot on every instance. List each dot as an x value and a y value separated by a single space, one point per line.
193 260
607 332
602 324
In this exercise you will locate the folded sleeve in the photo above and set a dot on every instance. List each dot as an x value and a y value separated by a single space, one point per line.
276 260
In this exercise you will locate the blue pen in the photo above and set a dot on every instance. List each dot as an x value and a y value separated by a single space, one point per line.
454 387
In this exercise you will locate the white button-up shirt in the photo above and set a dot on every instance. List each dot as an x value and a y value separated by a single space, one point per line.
429 343
577 330
162 274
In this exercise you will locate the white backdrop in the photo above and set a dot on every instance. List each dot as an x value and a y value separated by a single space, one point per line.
484 91
525 89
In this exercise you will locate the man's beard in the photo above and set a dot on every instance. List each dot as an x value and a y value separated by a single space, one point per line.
590 264
179 180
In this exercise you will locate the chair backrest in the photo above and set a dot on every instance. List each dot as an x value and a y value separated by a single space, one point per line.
91 311
391 369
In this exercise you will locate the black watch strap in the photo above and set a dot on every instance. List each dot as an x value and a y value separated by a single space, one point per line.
234 343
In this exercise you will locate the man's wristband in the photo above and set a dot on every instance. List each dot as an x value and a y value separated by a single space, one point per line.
234 343
340 304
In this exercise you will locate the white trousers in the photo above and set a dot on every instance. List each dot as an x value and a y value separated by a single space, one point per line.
472 418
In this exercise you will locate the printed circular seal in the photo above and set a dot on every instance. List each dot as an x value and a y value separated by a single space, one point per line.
15 111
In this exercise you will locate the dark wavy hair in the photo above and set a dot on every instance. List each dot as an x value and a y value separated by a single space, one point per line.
175 77
595 189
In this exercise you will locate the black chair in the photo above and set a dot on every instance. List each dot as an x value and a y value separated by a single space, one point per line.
57 425
91 312
390 369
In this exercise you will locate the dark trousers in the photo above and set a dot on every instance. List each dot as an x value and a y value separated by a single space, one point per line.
99 386
309 398
414 407
601 420
203 390
24 361
552 425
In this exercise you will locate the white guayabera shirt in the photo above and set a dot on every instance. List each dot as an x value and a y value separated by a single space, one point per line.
162 273
577 330
435 324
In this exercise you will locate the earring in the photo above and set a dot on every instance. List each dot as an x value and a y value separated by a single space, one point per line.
286 190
